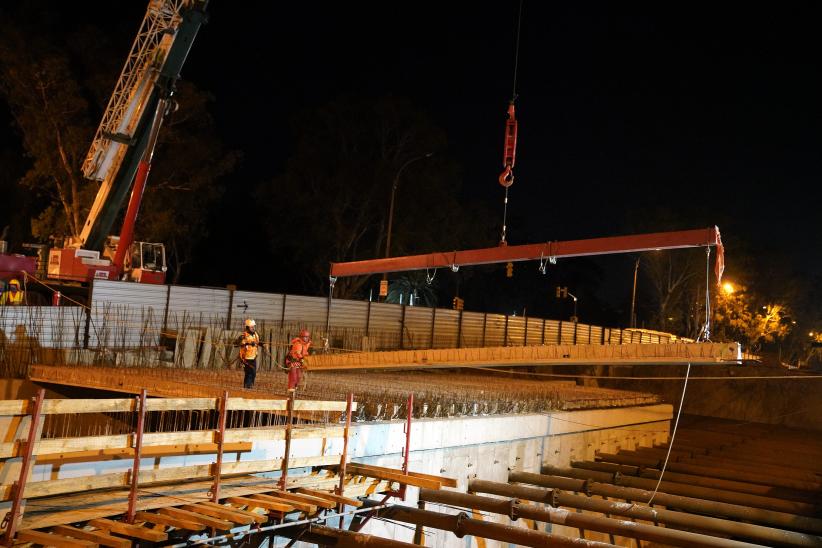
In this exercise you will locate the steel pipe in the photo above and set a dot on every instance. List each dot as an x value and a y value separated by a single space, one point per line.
559 516
758 533
701 506
673 488
461 525
674 474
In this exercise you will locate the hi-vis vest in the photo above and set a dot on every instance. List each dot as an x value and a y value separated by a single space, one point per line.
12 298
248 345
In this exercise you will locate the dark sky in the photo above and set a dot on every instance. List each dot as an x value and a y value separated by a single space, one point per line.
707 111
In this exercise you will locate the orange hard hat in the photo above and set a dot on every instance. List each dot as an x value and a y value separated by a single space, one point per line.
304 333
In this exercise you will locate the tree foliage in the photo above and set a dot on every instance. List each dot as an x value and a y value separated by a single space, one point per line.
52 115
184 184
737 317
336 189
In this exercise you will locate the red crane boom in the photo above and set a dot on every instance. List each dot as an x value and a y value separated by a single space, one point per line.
702 237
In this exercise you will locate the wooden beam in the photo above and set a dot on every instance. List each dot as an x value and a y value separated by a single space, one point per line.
97 537
47 539
279 506
181 404
71 407
208 521
150 451
330 496
398 476
161 519
14 407
259 518
134 531
297 497
219 513
242 404
445 481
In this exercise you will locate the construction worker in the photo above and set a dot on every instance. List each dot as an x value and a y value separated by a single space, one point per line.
294 359
13 295
249 342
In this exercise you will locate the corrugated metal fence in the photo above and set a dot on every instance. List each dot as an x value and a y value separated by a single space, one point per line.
196 324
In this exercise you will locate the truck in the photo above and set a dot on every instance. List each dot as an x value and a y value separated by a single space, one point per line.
120 160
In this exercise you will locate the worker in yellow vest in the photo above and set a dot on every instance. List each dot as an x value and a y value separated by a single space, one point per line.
249 343
13 295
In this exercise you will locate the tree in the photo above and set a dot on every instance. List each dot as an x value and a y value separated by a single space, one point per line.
738 318
413 283
50 111
335 192
676 282
184 183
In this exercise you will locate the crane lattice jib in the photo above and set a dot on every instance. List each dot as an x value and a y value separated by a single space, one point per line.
134 86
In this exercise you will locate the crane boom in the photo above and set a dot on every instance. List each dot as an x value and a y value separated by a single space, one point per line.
151 69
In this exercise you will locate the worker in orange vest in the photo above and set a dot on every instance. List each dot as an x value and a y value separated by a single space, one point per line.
249 342
13 295
294 359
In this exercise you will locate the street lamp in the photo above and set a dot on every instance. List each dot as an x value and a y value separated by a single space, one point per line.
393 192
633 295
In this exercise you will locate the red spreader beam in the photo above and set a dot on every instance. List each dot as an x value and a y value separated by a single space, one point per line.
702 237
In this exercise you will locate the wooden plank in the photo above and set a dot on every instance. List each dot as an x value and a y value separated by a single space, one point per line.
302 506
219 513
208 521
242 404
181 404
278 433
330 496
67 406
176 438
254 434
254 502
161 519
14 407
66 445
134 531
97 537
311 405
46 539
150 451
73 485
445 481
177 473
259 518
297 497
397 476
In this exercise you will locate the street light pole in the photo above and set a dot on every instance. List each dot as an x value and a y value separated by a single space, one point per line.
633 295
394 185
396 182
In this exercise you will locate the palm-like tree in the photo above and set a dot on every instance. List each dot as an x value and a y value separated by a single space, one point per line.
414 283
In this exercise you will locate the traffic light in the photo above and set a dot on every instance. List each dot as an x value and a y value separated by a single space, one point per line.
509 270
562 292
457 303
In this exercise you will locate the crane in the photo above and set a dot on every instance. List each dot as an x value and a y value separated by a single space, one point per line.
122 149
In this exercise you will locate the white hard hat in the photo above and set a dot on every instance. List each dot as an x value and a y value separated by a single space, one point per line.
250 323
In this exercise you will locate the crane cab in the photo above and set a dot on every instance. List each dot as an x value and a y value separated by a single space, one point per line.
146 263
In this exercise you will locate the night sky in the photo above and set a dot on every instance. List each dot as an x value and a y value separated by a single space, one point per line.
707 112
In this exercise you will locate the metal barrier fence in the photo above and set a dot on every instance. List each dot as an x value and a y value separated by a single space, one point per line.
196 327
